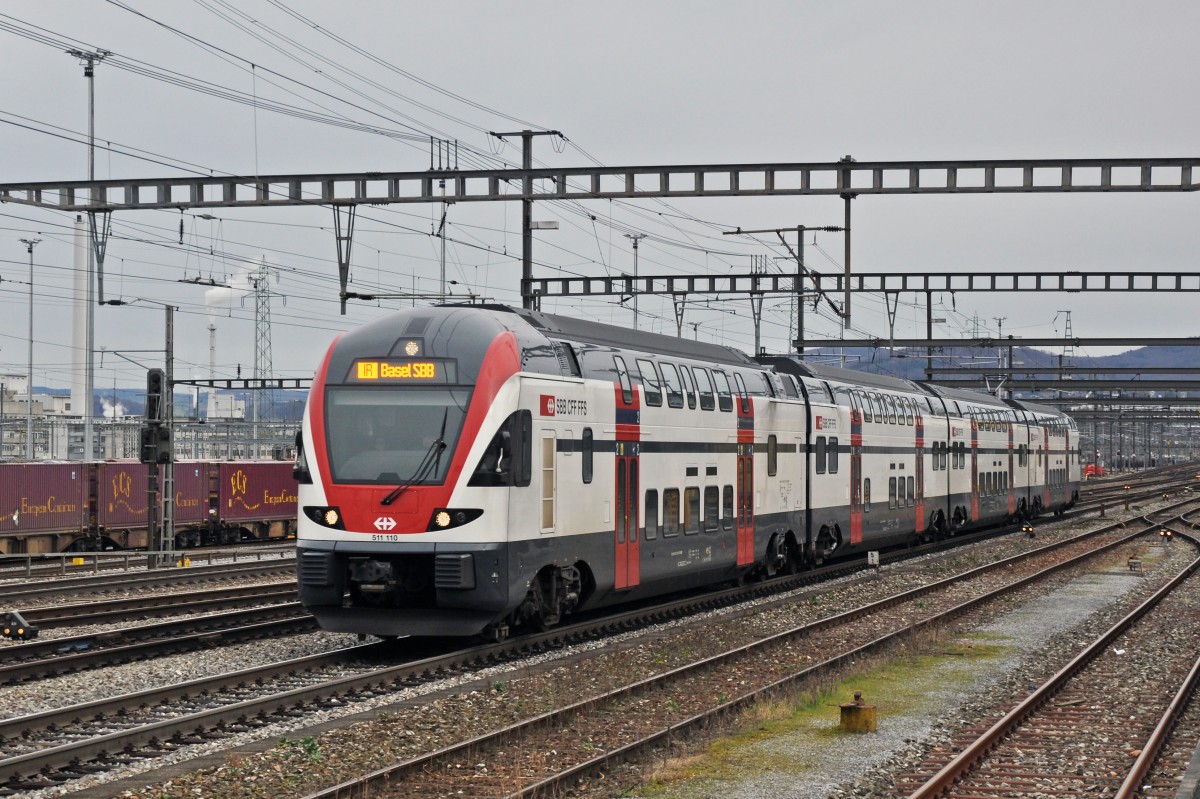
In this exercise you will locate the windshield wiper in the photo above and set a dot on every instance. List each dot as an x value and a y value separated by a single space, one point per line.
427 465
433 457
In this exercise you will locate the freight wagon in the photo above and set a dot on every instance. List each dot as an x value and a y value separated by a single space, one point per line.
62 507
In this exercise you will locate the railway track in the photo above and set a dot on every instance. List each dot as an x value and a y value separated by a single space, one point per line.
1099 723
16 567
43 658
147 607
846 633
27 590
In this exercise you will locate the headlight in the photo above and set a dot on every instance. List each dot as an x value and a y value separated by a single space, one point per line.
325 516
448 518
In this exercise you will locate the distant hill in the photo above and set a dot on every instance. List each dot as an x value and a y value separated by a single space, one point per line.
910 362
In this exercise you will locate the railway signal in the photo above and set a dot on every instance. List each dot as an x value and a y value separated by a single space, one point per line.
16 628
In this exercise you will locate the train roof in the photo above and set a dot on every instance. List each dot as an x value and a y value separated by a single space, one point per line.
1035 407
599 333
965 395
790 364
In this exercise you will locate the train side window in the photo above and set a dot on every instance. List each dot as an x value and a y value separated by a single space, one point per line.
820 454
772 455
704 388
623 377
893 412
724 395
891 492
689 386
587 446
864 399
691 510
906 403
900 495
670 512
674 387
833 454
866 495
650 515
522 449
790 388
743 395
911 491
712 508
650 382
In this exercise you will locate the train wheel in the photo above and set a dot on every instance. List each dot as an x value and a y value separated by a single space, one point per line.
555 592
778 556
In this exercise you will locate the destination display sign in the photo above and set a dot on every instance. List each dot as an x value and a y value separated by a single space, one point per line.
401 371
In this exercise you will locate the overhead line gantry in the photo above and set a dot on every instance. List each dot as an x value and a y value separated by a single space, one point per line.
845 178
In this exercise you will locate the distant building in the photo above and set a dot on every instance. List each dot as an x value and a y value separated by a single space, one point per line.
225 406
53 404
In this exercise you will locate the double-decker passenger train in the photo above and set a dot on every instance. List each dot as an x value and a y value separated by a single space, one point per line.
468 469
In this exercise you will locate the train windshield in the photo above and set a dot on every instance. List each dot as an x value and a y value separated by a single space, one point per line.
385 435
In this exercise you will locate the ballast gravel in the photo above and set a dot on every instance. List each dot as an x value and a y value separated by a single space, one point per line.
283 760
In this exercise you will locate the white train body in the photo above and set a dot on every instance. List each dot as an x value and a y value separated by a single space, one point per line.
467 469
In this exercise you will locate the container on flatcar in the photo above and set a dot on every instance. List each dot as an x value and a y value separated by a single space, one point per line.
44 506
258 497
121 501
192 482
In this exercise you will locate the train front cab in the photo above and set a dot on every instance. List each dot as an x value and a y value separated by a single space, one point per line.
397 534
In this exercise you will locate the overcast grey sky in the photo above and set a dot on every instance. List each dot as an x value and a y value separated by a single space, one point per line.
628 83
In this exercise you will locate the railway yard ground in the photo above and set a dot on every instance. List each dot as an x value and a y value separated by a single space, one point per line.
927 686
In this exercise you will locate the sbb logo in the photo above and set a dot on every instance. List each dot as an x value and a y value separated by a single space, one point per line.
547 403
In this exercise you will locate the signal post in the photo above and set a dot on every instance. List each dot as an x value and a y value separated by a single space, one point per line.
155 448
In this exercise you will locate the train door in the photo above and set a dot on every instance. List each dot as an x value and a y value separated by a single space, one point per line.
745 481
1012 489
628 562
919 429
627 479
856 474
974 465
1045 473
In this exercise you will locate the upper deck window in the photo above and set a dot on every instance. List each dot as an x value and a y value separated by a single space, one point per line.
704 388
674 387
724 395
689 386
623 377
650 383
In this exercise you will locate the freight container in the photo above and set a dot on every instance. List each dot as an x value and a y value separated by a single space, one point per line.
43 505
259 497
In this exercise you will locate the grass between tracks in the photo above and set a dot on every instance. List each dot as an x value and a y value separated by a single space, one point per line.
809 722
